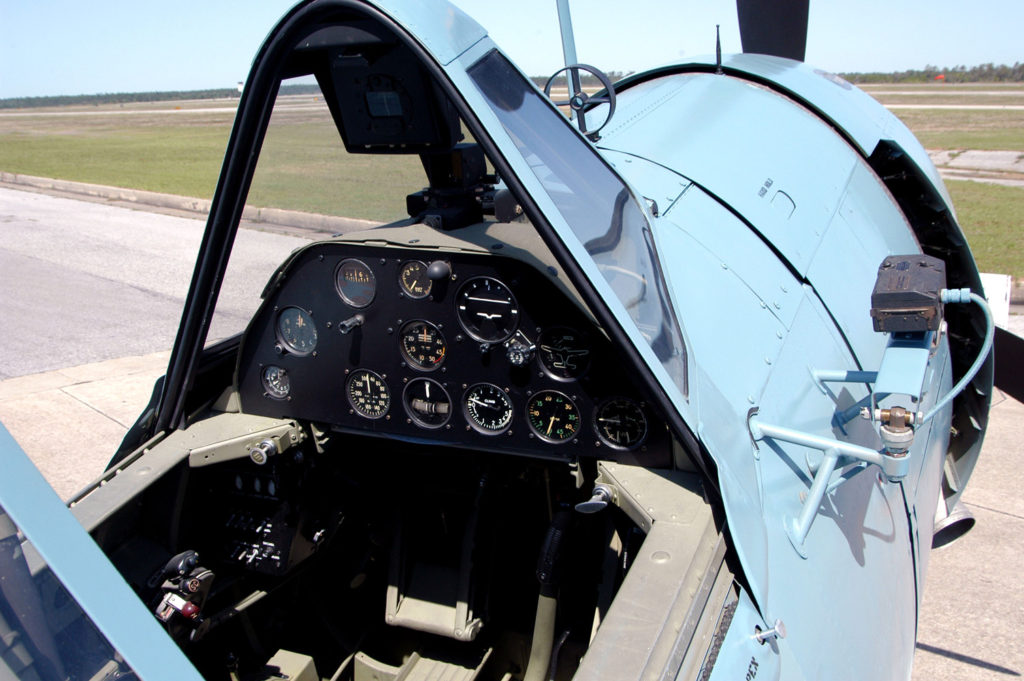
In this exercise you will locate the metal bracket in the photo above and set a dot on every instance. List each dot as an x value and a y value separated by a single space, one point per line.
823 376
837 453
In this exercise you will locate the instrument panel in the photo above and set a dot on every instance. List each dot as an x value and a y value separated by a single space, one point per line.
460 349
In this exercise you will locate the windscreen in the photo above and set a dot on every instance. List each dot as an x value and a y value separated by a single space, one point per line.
594 202
44 635
306 186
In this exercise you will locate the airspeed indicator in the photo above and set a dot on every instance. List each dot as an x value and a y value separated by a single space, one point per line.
368 394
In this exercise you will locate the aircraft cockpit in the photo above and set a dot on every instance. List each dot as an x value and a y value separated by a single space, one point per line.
419 429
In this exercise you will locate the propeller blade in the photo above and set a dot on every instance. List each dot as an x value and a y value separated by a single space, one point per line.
1010 363
776 27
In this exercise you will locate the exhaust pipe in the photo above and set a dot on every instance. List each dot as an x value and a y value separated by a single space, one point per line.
950 525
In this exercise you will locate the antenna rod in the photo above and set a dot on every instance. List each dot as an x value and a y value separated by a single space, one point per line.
569 48
718 50
568 41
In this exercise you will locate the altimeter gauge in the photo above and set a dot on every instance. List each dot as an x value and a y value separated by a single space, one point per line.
553 417
620 423
368 394
488 409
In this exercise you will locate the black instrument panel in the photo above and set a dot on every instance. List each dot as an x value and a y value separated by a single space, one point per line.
459 349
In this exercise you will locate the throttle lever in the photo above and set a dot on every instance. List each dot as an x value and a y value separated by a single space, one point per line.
598 501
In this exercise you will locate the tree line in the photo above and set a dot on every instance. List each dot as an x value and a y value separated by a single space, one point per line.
984 73
136 97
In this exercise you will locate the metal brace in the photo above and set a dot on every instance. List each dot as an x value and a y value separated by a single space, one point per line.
837 453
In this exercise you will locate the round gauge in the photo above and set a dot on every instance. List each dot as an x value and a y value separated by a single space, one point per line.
620 423
276 382
427 402
488 408
553 416
355 282
296 331
423 346
487 309
563 352
368 394
413 279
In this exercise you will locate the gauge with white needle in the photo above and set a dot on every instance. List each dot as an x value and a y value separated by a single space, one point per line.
488 409
620 423
276 382
368 394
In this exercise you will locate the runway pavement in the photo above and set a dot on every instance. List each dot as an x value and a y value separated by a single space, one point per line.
85 281
70 414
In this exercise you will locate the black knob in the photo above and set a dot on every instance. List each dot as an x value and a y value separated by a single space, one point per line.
439 270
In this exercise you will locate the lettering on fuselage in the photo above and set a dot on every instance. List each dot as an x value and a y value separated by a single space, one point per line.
752 670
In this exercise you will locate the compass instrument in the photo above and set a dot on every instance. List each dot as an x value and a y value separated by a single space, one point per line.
355 282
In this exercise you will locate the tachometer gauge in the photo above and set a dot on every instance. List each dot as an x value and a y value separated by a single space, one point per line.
368 394
427 403
423 345
552 416
563 352
487 309
413 279
620 423
488 408
276 382
296 331
355 282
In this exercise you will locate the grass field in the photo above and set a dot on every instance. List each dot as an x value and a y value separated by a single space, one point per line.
990 216
995 130
995 123
299 171
178 148
163 151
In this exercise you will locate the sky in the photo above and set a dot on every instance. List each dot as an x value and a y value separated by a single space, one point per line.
68 47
